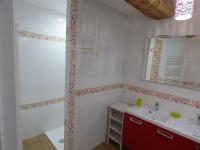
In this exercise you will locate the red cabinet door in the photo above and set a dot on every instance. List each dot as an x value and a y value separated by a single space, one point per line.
197 147
161 139
186 144
141 135
133 132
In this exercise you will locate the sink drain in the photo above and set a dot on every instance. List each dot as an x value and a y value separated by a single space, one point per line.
61 141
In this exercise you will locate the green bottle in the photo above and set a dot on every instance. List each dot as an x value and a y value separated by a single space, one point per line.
139 103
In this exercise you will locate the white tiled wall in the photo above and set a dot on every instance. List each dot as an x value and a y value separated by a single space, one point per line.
120 40
41 67
8 123
39 19
39 120
42 62
91 118
100 27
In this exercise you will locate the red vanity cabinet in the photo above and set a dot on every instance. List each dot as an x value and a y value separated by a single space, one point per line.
186 144
133 132
161 139
197 147
142 135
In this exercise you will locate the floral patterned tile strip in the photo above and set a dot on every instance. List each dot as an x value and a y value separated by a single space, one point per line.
33 35
94 90
42 103
164 96
191 84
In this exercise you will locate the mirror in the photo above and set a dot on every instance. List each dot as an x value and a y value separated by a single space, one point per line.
173 61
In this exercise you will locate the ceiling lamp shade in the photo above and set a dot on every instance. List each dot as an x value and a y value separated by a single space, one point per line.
184 9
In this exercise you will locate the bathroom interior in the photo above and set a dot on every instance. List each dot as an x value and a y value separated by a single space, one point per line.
100 75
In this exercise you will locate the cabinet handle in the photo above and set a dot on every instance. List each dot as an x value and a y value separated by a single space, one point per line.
165 134
136 121
197 147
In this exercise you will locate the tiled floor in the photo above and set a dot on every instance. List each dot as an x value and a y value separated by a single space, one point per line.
40 142
105 146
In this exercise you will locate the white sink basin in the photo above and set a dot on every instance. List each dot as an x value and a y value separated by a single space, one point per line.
159 115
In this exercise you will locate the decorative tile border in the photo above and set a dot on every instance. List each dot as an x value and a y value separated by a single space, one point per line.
105 88
188 83
157 51
73 21
164 96
191 84
140 90
42 103
33 35
79 92
94 90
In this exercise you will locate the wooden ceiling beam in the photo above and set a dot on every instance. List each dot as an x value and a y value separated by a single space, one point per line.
155 9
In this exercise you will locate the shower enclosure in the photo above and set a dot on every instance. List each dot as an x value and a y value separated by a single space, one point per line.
41 53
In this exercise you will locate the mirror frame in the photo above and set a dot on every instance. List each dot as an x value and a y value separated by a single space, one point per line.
145 60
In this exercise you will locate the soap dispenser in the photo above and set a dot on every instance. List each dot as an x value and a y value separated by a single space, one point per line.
156 106
198 120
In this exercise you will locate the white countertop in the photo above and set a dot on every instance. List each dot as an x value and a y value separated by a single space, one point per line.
181 126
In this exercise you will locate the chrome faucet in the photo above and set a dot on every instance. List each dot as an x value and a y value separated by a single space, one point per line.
156 106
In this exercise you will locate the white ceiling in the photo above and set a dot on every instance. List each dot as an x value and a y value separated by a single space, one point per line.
56 5
120 5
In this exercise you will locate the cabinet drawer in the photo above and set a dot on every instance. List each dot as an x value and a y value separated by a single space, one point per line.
133 121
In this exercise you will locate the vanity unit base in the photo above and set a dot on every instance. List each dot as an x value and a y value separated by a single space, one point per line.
142 135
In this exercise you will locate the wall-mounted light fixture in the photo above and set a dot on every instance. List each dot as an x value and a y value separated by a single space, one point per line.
184 9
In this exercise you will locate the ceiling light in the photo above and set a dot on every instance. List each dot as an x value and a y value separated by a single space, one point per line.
184 9
60 19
